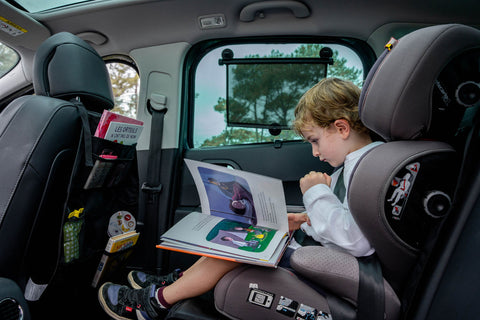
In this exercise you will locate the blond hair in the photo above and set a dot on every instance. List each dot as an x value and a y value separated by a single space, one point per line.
329 100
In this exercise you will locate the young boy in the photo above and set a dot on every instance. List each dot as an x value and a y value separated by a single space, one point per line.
327 117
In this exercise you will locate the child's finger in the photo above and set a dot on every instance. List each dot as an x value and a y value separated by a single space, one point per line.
328 179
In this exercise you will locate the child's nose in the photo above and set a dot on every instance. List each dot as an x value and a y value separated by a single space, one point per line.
315 152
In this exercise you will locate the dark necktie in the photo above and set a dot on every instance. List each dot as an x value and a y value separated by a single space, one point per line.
339 189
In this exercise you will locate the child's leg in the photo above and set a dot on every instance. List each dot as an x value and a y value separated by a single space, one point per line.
122 302
201 277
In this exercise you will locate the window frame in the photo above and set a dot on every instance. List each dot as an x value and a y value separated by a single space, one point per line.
19 58
198 51
124 59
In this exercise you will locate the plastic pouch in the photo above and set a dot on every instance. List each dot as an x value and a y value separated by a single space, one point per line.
71 235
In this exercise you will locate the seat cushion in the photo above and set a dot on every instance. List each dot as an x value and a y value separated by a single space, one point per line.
338 272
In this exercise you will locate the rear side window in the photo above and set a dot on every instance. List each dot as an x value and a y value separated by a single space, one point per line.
125 85
8 59
252 99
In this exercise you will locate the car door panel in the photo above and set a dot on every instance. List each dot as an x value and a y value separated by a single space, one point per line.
289 162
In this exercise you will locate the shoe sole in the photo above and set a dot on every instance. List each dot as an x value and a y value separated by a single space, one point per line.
132 282
105 307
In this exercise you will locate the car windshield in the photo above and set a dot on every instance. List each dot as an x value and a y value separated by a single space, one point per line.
37 6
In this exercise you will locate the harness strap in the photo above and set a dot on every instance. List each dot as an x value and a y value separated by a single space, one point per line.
371 292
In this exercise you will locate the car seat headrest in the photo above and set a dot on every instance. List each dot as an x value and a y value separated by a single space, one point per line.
66 67
396 100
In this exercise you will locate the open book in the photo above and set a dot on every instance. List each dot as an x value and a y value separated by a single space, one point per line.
243 218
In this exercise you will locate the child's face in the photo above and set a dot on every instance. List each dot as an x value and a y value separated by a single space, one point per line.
328 144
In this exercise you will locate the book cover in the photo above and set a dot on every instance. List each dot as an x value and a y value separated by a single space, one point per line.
108 117
117 251
124 133
243 218
122 241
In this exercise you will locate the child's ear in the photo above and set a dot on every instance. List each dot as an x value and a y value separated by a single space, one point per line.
343 127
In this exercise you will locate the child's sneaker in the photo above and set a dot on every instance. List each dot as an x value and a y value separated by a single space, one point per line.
139 279
121 302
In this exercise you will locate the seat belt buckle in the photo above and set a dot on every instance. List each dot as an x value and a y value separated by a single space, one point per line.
149 189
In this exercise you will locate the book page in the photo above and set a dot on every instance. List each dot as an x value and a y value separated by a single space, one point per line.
241 196
192 249
208 232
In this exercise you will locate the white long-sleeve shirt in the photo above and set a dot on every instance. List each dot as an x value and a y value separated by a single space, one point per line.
332 223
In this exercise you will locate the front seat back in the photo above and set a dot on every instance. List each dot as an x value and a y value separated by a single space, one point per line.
40 138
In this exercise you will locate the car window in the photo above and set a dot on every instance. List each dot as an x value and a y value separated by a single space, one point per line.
36 6
125 85
8 59
269 91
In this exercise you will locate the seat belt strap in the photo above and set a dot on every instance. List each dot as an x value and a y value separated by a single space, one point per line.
339 189
155 153
87 136
152 186
371 292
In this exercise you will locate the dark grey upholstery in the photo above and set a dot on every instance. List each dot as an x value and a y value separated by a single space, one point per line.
236 286
399 239
39 139
398 104
397 101
331 270
410 100
66 67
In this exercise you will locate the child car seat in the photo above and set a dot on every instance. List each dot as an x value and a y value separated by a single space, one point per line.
41 138
416 98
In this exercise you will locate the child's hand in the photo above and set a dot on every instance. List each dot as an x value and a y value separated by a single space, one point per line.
295 220
314 178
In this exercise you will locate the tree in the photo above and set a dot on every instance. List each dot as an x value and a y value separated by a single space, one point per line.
266 94
8 59
338 69
125 83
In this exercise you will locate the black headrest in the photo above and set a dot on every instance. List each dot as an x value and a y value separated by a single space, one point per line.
396 100
66 67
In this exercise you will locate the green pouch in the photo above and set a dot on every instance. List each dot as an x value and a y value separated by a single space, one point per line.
71 235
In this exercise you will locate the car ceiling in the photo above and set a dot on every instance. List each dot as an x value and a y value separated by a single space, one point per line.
130 24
